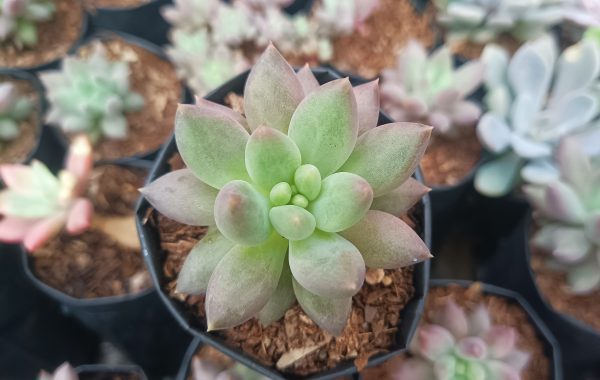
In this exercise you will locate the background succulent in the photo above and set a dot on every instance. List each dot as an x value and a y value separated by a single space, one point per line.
525 119
203 369
483 20
460 346
343 17
18 19
296 202
91 95
568 216
64 372
35 205
14 108
429 89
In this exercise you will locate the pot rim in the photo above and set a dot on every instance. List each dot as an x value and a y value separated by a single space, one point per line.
105 368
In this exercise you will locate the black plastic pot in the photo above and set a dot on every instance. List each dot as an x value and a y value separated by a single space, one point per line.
146 45
551 347
136 323
295 7
96 371
409 316
510 268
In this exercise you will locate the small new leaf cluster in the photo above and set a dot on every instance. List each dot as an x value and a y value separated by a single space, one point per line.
64 372
210 38
14 108
203 369
18 19
91 95
429 89
35 205
299 195
482 21
534 99
568 214
460 346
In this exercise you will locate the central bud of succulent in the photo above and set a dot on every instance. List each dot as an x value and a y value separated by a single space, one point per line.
305 188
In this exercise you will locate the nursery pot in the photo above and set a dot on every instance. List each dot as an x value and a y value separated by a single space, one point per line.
136 323
580 342
144 21
294 7
102 371
552 350
152 253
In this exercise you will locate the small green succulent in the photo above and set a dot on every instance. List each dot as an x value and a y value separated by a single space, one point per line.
204 369
18 19
299 195
14 108
91 95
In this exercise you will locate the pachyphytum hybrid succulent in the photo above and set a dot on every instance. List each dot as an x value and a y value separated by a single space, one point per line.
343 17
299 195
482 21
91 95
36 205
14 108
64 372
203 369
534 100
18 19
457 345
431 90
567 211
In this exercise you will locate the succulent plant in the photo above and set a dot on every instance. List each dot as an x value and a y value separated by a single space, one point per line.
466 347
64 372
585 13
430 90
203 369
481 21
567 211
18 19
343 17
292 175
35 205
14 108
526 120
91 95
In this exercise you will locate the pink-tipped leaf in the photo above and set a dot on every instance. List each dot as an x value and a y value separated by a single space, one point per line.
401 199
367 101
80 215
307 79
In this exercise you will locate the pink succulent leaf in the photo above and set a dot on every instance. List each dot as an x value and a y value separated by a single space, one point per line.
243 282
211 144
392 94
574 165
501 341
502 371
325 126
469 77
479 321
367 100
17 177
224 110
65 372
563 203
472 347
434 341
415 107
364 9
414 369
181 196
494 133
440 122
80 215
453 318
446 100
517 359
386 241
14 229
331 314
272 92
14 8
544 237
307 79
43 230
282 300
592 228
387 155
201 262
585 277
204 369
536 195
398 201
570 244
327 265
465 113
80 160
411 60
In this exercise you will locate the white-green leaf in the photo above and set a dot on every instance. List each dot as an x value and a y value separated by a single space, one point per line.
282 300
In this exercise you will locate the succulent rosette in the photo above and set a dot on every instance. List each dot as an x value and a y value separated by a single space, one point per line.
461 346
300 195
14 108
19 19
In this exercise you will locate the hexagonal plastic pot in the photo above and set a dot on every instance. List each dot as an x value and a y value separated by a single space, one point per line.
409 316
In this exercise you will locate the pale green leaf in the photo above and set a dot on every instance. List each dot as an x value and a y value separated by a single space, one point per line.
282 300
292 222
401 199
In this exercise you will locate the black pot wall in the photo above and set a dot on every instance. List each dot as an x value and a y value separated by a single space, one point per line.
136 323
409 316
580 343
96 371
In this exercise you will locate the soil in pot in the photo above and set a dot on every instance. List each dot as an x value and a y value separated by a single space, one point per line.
502 311
93 264
370 330
152 77
447 161
373 48
55 38
553 286
19 149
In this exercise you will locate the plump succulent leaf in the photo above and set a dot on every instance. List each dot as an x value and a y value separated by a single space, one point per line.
307 180
202 261
181 196
387 155
367 100
307 80
211 144
243 282
224 110
325 126
499 176
398 201
292 222
282 299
